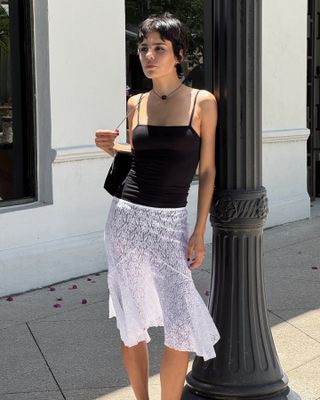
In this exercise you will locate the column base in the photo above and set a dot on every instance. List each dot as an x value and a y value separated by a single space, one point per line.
189 394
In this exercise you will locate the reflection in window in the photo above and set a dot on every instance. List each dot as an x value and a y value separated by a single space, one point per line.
17 161
6 135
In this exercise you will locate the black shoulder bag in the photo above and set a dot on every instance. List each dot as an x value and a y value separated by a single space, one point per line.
120 166
118 171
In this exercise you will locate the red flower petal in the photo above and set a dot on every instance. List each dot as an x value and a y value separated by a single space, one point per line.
73 287
52 289
57 305
59 298
84 301
9 298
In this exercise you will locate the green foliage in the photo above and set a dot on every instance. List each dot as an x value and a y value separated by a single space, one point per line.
4 29
189 12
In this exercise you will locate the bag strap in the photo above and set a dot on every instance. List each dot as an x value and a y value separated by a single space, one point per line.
139 106
194 106
129 111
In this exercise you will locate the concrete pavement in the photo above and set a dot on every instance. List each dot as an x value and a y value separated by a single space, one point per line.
71 351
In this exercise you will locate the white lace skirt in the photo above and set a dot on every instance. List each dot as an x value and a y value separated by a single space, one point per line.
149 281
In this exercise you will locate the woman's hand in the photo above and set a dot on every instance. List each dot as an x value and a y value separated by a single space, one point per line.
196 245
105 140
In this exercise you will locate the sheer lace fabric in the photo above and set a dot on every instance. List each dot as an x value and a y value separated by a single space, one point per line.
149 281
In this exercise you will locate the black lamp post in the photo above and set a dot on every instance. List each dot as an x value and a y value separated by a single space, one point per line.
247 365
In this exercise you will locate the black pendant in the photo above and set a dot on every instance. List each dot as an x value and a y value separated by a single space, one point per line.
164 97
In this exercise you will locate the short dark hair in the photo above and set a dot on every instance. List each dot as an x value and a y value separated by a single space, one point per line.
170 28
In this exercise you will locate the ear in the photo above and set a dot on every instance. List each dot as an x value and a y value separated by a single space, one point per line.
181 55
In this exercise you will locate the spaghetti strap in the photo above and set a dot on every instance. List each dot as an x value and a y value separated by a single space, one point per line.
139 107
194 105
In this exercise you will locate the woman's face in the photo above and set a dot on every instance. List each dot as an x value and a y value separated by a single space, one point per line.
156 56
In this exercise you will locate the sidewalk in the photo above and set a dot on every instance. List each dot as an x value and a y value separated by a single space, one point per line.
72 352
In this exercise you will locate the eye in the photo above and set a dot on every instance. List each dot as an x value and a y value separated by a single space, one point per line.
159 48
143 49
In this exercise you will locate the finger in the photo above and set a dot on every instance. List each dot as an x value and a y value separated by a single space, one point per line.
107 137
110 136
189 252
104 141
106 131
198 260
108 142
105 144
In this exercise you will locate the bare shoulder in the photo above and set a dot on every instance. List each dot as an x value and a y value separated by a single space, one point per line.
207 102
132 103
206 98
134 100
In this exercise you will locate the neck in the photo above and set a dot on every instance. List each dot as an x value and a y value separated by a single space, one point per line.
166 86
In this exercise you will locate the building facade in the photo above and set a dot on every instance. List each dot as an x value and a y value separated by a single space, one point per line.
53 206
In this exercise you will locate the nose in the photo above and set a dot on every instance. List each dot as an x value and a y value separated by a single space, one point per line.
149 54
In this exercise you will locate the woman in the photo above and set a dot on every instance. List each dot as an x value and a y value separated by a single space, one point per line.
171 129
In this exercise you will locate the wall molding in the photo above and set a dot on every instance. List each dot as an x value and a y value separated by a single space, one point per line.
285 135
78 153
90 152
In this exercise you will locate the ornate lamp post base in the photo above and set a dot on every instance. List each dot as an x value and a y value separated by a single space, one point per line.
246 365
191 394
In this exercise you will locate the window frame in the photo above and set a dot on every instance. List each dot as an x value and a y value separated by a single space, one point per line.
23 149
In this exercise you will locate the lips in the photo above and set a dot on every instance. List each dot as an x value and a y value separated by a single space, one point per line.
150 66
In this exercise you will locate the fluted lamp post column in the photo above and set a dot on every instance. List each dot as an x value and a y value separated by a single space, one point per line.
247 365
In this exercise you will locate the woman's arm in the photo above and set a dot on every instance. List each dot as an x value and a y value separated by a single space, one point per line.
207 172
105 139
132 105
207 166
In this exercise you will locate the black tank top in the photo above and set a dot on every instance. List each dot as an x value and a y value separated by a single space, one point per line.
164 161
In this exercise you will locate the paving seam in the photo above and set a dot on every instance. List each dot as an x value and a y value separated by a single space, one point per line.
291 244
301 365
296 327
34 391
99 388
298 279
297 222
41 352
289 309
54 284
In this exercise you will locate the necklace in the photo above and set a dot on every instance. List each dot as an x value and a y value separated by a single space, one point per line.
165 96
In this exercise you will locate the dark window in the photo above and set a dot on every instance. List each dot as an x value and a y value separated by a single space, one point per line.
313 98
17 128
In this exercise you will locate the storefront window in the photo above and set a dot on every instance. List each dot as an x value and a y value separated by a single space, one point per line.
17 155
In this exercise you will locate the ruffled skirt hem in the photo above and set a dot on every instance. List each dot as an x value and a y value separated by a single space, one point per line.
149 281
